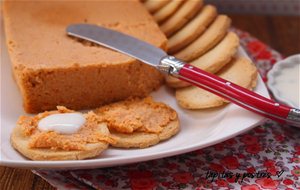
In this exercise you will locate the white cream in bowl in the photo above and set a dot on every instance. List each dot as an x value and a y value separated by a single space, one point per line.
284 81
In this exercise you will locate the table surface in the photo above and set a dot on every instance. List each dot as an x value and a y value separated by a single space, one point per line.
281 32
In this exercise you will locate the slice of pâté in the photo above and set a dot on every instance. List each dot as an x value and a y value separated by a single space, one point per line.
53 69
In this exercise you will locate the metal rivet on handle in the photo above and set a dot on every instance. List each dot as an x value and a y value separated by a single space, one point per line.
228 83
191 67
276 104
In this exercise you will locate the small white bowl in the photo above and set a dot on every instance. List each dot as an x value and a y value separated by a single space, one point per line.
284 81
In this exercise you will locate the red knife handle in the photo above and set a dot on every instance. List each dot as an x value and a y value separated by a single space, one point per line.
238 95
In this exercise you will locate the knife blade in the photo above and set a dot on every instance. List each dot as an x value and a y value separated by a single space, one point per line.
156 57
111 39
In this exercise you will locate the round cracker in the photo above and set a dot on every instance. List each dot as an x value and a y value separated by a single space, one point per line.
174 82
154 5
212 36
21 144
193 29
143 139
166 11
212 61
220 55
240 71
181 17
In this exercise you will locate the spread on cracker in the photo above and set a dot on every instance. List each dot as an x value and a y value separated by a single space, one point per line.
137 115
88 133
139 123
41 137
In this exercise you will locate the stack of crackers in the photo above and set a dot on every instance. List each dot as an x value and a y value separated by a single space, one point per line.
200 36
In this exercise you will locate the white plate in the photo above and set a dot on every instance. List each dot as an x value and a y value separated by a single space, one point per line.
199 129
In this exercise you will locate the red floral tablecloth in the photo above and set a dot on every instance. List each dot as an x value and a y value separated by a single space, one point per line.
267 157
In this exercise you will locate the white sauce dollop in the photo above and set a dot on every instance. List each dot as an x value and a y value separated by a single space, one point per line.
62 123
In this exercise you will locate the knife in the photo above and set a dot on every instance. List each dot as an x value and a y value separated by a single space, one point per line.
156 57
